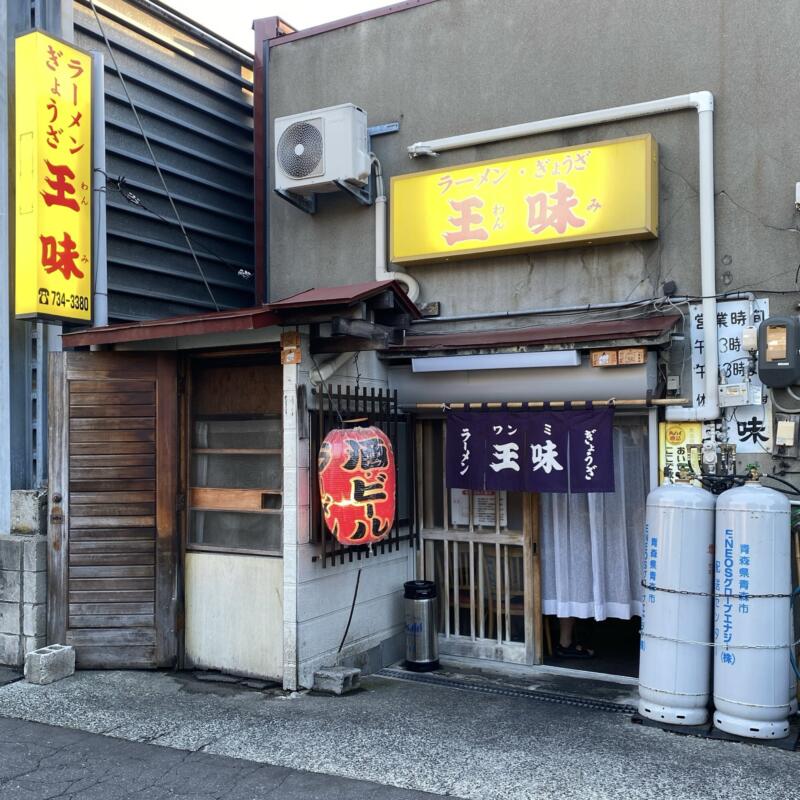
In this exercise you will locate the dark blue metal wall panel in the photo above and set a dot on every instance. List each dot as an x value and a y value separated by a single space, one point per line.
193 93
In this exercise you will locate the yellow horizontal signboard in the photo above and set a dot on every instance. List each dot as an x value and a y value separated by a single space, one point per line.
53 265
590 194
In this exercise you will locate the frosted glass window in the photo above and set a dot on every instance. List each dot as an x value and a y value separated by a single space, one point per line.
236 530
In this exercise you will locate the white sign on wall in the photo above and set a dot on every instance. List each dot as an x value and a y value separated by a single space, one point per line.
483 508
748 427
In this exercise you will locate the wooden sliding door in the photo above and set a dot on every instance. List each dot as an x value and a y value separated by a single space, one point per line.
112 507
481 549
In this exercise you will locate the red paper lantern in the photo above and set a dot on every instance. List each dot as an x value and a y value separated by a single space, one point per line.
357 484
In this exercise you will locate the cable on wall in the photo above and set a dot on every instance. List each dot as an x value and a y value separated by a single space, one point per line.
152 155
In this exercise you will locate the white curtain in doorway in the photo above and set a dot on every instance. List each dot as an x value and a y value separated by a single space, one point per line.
591 544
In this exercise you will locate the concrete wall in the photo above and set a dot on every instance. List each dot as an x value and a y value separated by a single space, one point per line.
456 66
317 600
23 578
23 596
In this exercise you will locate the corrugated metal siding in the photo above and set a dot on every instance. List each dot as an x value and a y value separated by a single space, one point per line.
194 97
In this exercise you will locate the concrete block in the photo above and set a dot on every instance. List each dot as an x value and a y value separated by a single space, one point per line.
10 654
34 587
10 552
34 554
34 619
10 585
337 680
9 618
28 511
49 664
30 643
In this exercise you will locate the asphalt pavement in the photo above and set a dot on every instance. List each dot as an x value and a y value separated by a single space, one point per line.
39 762
425 738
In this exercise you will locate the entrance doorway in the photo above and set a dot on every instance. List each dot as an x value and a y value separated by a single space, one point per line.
234 519
592 554
480 549
502 560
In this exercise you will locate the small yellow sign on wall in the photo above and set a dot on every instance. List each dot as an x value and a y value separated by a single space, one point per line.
674 451
591 194
53 241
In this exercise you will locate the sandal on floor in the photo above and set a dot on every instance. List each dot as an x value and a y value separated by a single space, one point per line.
574 651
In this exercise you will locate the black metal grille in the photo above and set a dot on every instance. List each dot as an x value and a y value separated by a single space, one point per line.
379 408
300 150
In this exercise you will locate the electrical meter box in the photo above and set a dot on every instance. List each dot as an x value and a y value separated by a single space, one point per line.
779 352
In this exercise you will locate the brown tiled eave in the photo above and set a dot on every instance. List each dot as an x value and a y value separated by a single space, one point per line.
651 327
347 295
240 319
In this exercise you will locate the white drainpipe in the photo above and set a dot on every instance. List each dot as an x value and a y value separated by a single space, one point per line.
99 230
703 103
327 369
381 272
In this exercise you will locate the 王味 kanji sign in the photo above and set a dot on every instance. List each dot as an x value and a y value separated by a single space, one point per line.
53 265
537 451
594 193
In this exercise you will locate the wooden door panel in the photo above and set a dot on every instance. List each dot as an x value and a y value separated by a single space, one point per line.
108 534
121 585
97 425
113 463
96 435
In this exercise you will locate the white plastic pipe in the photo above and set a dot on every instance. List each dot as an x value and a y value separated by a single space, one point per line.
703 103
652 446
100 299
381 272
708 283
326 370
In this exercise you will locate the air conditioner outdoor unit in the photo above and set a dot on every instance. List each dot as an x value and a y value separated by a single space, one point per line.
315 149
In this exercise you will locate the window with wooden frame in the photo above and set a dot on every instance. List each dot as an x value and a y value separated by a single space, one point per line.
235 462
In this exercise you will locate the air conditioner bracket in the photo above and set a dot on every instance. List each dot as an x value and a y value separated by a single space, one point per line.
307 204
362 194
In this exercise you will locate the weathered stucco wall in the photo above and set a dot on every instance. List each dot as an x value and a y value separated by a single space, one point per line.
456 66
317 600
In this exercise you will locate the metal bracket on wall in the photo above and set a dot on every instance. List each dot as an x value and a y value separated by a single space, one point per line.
307 204
364 195
382 130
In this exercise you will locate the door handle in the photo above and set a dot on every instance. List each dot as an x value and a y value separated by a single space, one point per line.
56 512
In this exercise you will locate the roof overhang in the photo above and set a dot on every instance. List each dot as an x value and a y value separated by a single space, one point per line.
385 295
240 319
650 330
313 305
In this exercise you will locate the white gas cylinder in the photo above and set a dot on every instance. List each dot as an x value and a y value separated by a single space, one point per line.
675 656
752 633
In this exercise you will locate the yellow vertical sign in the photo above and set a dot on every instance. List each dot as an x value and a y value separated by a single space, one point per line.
53 240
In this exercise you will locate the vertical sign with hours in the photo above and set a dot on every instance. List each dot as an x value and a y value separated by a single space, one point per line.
53 267
748 426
